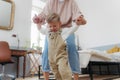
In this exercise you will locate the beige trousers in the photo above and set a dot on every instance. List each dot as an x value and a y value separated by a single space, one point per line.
58 57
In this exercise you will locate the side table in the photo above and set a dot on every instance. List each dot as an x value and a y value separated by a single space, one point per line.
34 57
19 52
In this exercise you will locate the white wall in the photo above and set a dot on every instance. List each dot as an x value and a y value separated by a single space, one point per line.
103 26
22 23
22 26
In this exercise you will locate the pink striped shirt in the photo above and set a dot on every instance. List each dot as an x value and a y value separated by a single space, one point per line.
68 10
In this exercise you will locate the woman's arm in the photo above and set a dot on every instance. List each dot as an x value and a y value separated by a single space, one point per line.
40 18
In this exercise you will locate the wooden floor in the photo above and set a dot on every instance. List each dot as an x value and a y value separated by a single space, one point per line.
81 77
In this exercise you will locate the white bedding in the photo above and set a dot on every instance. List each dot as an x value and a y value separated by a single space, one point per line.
96 55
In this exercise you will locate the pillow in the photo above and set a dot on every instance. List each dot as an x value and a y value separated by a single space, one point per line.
114 49
115 56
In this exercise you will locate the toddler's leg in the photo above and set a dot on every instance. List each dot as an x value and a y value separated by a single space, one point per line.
64 69
55 71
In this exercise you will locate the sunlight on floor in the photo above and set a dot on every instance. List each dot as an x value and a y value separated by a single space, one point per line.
29 78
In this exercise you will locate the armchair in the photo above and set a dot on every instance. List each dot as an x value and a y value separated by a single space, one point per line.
5 58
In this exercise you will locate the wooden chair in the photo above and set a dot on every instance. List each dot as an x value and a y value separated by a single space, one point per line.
5 58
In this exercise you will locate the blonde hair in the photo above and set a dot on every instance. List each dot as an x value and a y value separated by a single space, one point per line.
53 18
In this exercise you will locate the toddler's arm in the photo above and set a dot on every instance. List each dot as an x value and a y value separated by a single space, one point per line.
43 29
68 31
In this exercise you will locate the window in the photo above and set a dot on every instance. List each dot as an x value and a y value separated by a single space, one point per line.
37 39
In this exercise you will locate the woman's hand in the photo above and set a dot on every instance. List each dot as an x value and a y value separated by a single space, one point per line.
80 20
38 19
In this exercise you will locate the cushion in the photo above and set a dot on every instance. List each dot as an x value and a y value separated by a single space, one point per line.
114 49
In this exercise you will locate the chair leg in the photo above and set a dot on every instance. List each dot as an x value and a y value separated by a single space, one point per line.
11 76
3 71
4 76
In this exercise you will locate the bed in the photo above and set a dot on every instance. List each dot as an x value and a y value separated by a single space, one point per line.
100 58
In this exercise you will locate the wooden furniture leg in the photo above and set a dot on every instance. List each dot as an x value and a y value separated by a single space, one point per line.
39 72
90 71
17 53
17 71
24 68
